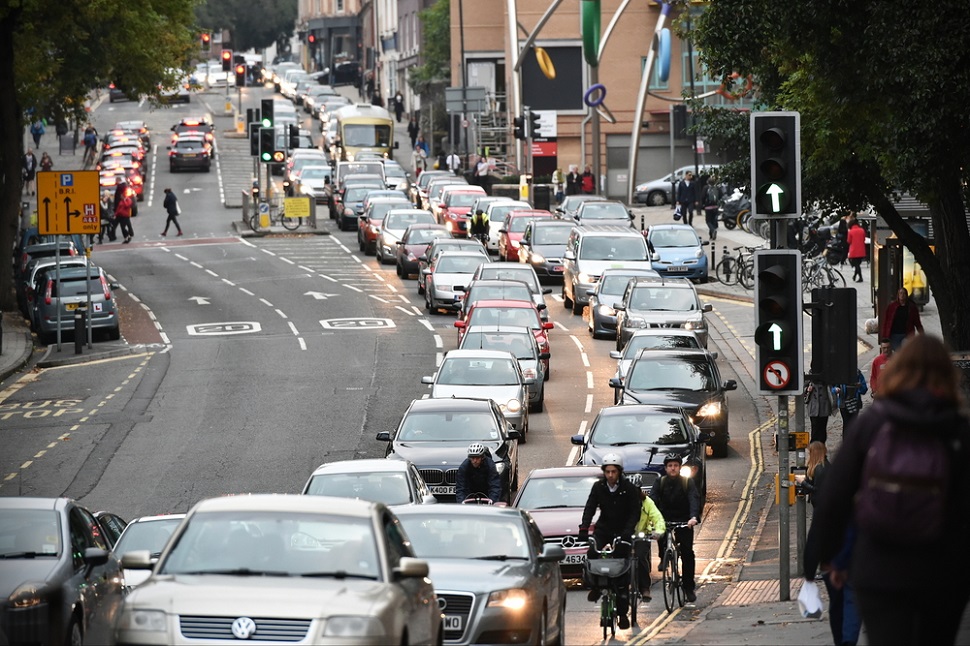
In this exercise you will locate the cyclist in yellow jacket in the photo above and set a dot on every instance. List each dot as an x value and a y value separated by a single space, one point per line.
651 524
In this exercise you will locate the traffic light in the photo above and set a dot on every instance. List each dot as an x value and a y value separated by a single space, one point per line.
294 136
227 60
266 112
240 75
253 139
311 39
778 321
267 144
776 164
533 124
834 353
519 130
206 39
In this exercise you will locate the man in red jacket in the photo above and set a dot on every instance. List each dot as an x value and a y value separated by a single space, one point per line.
900 320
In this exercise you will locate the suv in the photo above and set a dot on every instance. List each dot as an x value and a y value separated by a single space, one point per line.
590 250
68 295
665 303
685 378
676 250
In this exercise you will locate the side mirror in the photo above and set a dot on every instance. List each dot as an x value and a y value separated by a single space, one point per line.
707 307
616 382
503 230
540 306
704 437
137 560
384 436
460 325
544 355
705 243
569 255
514 434
591 292
410 568
578 440
529 381
547 290
427 379
619 307
548 325
428 499
730 384
552 553
397 145
616 354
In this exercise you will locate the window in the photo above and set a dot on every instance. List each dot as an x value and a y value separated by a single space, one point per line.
397 545
338 6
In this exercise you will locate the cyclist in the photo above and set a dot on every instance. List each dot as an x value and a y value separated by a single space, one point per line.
618 501
478 226
651 524
478 475
90 143
679 502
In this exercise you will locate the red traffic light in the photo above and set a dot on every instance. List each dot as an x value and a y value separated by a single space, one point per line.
311 39
226 54
240 69
206 37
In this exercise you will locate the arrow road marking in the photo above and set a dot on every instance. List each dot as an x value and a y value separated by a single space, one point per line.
200 300
319 295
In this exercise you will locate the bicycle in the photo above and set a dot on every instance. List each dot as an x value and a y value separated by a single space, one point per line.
738 268
673 585
605 574
817 272
277 215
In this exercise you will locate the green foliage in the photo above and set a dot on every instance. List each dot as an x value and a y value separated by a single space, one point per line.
436 46
254 24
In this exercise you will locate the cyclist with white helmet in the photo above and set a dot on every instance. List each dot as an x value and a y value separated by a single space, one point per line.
618 501
478 475
679 501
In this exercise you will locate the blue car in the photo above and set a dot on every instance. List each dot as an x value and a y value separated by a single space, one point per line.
677 251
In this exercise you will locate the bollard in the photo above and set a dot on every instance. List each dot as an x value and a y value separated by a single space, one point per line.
80 330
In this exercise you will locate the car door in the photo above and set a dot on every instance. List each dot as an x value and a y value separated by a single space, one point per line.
548 581
421 490
97 588
418 602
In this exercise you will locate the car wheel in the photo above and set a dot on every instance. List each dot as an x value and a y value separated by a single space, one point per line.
171 168
114 333
577 308
397 269
561 625
539 403
420 287
74 635
656 198
360 242
719 450
542 630
379 252
566 302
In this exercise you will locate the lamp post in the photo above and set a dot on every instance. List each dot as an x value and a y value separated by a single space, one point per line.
464 81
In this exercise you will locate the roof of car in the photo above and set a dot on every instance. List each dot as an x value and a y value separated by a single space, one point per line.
449 403
638 409
459 510
29 502
149 519
476 353
288 503
370 465
497 302
607 230
565 472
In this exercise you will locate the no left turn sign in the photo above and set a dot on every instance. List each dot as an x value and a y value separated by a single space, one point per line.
777 374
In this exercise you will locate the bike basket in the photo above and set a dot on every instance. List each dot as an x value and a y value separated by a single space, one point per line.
602 570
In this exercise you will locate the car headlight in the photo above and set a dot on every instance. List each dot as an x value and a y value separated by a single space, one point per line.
27 595
583 277
514 599
699 253
695 325
710 409
353 626
606 310
512 406
538 259
145 620
688 471
635 322
529 373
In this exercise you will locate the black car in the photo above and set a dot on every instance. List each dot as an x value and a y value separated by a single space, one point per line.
59 582
194 152
434 434
686 378
542 246
642 435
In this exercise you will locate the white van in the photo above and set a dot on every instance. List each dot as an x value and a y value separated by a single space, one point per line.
658 192
590 250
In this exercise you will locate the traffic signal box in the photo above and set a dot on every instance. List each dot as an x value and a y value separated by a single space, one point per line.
266 113
834 353
206 40
227 60
776 166
778 321
240 75
518 130
267 144
533 118
293 131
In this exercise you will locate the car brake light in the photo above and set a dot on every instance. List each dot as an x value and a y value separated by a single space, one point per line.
47 291
106 288
23 263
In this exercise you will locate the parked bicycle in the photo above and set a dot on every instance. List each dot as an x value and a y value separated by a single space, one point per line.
737 268
277 215
818 272
673 585
610 576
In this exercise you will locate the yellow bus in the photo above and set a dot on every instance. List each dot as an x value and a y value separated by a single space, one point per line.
363 127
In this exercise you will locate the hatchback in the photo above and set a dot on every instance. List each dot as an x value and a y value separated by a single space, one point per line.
512 229
677 251
413 244
607 292
372 219
542 246
56 303
447 276
396 222
190 152
440 245
392 482
522 344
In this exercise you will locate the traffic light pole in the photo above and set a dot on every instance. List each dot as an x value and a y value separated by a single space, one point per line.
784 511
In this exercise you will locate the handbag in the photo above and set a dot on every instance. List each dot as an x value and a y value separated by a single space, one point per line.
178 208
852 405
809 601
677 213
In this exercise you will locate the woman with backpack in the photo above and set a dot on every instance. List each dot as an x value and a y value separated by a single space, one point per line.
900 480
711 201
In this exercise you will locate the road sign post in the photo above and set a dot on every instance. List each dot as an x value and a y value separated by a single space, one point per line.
68 202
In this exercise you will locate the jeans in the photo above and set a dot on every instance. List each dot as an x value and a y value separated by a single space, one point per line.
820 427
125 224
843 614
172 219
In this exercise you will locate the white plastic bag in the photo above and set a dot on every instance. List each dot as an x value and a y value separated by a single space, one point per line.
809 601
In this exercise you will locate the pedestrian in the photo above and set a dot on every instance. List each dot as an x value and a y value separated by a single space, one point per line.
651 525
419 160
413 132
424 146
687 197
37 131
29 172
587 181
901 320
453 163
558 179
572 180
899 478
815 469
108 222
885 352
398 106
46 163
123 213
848 399
370 85
173 209
481 173
712 204
441 161
818 407
856 237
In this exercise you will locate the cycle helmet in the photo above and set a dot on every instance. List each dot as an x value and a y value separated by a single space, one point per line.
612 459
476 450
673 457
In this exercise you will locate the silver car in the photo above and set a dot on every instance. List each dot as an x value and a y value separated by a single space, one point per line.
146 533
521 342
517 272
670 303
447 276
304 569
396 222
392 482
485 373
56 301
497 580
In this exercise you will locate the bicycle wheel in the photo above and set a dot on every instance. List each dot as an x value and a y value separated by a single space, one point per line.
726 271
669 581
746 274
290 224
678 583
834 277
634 590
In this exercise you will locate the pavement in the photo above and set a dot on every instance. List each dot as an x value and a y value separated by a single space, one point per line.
748 606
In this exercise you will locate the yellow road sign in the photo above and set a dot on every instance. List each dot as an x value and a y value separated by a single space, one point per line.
68 202
296 207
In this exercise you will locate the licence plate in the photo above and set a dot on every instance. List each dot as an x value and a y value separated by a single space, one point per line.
443 490
574 559
70 307
557 268
677 268
453 622
189 155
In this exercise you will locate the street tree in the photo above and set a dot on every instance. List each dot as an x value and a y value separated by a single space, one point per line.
53 54
253 24
882 87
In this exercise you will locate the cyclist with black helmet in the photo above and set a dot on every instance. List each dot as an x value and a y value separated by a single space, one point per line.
618 501
478 475
679 502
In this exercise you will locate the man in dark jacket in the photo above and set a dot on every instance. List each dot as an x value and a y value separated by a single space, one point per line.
478 475
679 502
687 197
618 501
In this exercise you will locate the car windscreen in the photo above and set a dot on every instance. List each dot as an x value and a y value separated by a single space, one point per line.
519 292
550 493
404 220
25 533
550 235
75 286
274 543
682 373
419 236
614 284
674 238
148 535
448 425
525 275
518 225
623 430
516 316
663 299
357 193
447 264
658 342
604 211
461 371
314 173
379 209
522 346
461 200
466 537
389 488
631 248
360 134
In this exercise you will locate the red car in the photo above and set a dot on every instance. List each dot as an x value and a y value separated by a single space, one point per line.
510 235
555 499
455 207
518 313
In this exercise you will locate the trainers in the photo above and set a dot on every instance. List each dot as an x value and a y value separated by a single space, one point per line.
127 240
593 596
690 596
179 234
164 234
623 622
